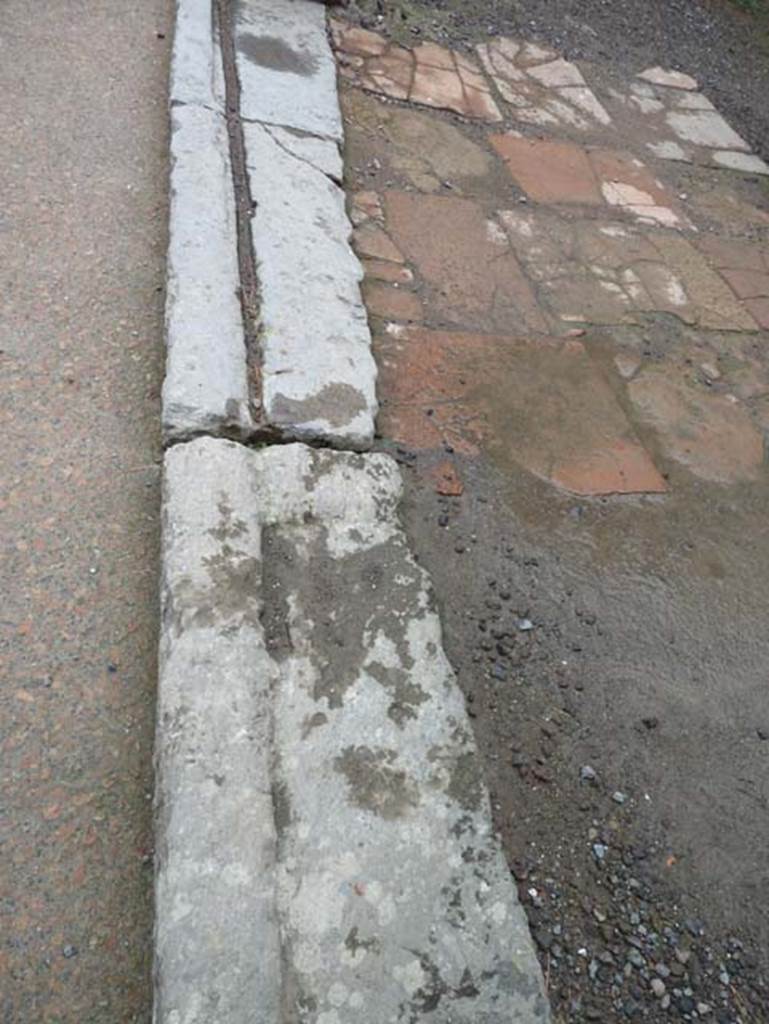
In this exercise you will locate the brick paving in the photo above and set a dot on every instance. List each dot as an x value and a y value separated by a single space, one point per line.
514 213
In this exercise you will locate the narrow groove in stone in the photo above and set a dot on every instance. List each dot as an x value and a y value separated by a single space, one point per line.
244 205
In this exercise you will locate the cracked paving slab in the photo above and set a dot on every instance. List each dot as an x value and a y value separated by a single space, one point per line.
324 838
604 272
318 374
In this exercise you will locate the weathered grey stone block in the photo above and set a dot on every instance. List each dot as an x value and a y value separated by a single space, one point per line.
318 373
205 388
324 834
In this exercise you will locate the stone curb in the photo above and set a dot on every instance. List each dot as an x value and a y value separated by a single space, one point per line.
317 374
206 384
324 845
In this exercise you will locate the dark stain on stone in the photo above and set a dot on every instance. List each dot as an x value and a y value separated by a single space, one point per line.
407 696
523 984
313 722
465 784
336 404
353 943
230 599
272 52
228 528
352 598
427 999
375 784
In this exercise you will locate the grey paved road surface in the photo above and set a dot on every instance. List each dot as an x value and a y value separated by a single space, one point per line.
82 242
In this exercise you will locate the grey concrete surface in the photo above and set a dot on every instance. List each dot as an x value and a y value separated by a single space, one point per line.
324 840
82 258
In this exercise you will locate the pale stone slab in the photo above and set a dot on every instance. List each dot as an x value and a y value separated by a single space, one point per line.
704 128
195 65
671 79
286 68
324 834
741 162
318 373
666 149
205 387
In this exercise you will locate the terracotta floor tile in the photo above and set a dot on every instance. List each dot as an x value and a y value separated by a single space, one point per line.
540 404
472 274
759 310
541 87
552 171
549 171
417 145
381 270
748 284
372 241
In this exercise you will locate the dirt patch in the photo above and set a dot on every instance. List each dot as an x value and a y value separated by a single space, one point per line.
610 653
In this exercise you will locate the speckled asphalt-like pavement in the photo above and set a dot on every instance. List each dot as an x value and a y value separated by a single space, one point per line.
82 249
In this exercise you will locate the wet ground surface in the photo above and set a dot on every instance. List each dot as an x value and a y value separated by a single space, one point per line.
573 374
82 251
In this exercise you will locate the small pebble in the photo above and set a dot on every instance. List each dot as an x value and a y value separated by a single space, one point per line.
658 987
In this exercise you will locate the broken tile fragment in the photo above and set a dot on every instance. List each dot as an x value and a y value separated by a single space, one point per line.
542 87
427 74
704 128
671 79
446 480
679 124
